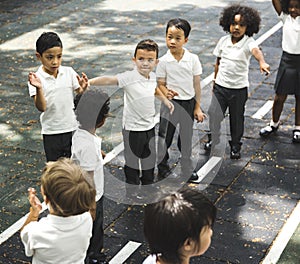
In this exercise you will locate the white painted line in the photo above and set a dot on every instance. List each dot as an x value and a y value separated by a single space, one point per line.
269 33
14 228
112 154
125 252
263 110
207 167
284 236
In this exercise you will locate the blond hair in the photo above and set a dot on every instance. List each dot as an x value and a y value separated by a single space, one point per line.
66 187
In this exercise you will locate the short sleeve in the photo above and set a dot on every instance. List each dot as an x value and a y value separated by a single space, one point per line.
27 239
252 44
197 68
161 69
217 51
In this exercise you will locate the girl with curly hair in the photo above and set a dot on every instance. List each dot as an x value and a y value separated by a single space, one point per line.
288 76
233 53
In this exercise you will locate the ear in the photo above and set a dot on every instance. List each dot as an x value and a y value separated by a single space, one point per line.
186 40
189 245
38 55
133 59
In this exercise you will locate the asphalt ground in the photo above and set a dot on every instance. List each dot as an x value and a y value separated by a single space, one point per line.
256 196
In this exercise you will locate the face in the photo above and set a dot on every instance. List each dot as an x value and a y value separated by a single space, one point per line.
237 28
175 39
205 239
145 61
51 60
294 8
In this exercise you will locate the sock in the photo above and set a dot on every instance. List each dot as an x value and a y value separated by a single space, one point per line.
274 124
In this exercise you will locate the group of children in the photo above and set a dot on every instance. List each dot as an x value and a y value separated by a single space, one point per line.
67 185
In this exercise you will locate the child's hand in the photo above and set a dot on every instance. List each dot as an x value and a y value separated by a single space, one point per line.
169 104
34 80
199 115
83 81
34 201
265 67
171 93
103 154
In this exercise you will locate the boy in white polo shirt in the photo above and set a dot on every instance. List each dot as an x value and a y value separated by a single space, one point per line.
52 88
178 77
139 111
230 90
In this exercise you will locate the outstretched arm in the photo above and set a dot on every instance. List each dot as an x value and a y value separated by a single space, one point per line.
258 55
83 82
277 6
39 98
35 208
104 80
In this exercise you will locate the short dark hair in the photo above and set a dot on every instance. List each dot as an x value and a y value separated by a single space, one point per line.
46 41
91 108
175 218
180 24
147 44
250 16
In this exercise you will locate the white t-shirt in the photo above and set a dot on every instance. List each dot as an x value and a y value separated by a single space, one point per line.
234 63
150 260
290 34
55 239
59 116
139 100
86 152
179 75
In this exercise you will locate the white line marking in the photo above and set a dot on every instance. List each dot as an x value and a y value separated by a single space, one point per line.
125 252
16 226
207 167
284 236
263 110
269 33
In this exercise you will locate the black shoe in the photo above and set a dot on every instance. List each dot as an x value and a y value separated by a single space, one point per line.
267 130
296 136
235 153
194 177
207 145
162 174
99 259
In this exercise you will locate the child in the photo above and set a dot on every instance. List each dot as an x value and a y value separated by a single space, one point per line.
178 77
233 53
139 111
92 108
52 88
288 76
63 236
178 227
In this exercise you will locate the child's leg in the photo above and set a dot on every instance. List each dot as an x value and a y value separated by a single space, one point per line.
131 168
278 106
297 110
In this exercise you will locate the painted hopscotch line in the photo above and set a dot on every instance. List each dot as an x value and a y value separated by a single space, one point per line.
125 252
284 236
263 110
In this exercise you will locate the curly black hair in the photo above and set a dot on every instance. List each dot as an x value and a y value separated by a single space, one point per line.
250 16
285 5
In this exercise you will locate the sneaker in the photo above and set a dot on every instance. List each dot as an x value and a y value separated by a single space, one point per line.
296 136
162 174
194 177
207 145
267 130
235 153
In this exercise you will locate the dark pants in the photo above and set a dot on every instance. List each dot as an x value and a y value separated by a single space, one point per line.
184 116
139 150
57 145
235 100
96 241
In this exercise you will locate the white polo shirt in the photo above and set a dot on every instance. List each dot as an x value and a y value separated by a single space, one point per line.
86 152
56 239
235 60
139 100
179 75
290 34
59 116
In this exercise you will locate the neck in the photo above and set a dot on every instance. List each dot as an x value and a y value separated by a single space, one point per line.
178 55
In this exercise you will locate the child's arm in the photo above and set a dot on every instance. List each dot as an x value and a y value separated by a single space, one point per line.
35 208
162 86
277 6
92 182
159 94
198 114
104 80
39 98
258 55
83 82
216 68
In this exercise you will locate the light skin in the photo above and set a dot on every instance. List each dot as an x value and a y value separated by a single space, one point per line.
192 248
51 59
294 11
145 62
175 40
237 31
